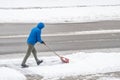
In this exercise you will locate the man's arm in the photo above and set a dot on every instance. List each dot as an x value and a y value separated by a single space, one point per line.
39 36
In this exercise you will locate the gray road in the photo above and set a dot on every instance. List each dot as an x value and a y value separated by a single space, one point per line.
9 45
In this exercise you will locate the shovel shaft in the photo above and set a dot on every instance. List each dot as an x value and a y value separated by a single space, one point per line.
65 60
53 51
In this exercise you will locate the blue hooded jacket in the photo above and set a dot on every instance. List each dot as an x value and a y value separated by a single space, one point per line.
35 34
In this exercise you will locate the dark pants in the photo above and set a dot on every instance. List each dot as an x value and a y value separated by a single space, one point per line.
30 49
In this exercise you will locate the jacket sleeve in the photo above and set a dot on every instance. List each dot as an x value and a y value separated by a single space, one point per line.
39 36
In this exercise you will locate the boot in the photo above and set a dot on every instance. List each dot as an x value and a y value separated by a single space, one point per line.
24 65
39 62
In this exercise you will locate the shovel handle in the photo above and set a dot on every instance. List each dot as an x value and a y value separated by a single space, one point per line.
52 51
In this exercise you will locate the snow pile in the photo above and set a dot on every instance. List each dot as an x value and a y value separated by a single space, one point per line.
10 74
80 64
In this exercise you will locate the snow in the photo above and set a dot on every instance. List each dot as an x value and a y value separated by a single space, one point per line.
58 11
108 78
55 3
10 74
81 63
59 15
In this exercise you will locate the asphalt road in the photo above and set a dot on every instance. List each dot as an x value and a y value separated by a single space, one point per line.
17 43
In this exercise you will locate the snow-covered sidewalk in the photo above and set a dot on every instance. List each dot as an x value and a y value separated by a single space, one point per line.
81 63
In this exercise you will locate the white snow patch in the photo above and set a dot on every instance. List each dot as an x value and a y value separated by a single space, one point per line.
108 78
55 3
58 11
10 74
81 63
60 15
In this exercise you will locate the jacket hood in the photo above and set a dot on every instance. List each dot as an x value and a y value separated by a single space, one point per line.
40 25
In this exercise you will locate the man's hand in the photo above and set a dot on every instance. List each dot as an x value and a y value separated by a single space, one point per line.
43 43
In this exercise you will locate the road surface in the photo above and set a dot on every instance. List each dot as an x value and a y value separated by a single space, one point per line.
60 37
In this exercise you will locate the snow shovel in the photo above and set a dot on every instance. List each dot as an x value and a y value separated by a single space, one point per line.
63 59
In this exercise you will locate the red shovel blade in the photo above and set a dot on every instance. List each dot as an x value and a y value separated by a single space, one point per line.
65 60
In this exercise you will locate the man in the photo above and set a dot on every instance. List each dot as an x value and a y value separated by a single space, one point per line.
34 37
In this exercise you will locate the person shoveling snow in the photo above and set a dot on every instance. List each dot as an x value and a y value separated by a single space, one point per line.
34 37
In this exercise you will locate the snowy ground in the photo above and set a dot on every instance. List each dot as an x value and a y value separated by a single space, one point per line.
58 11
98 64
55 3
